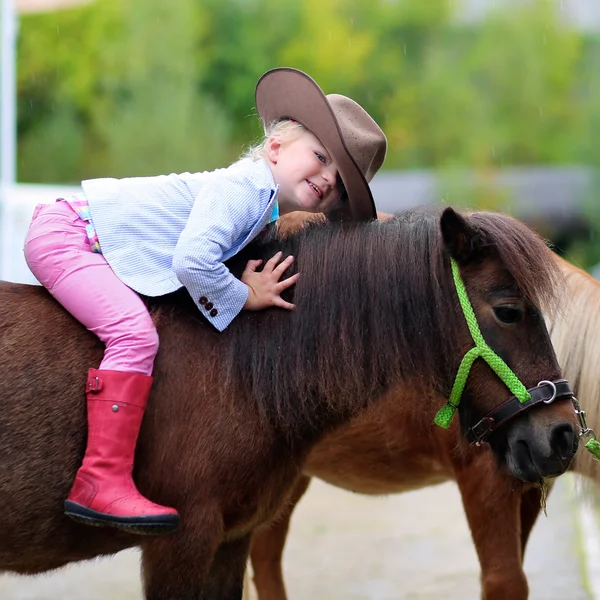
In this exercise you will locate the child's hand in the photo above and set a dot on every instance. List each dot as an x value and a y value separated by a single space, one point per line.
264 287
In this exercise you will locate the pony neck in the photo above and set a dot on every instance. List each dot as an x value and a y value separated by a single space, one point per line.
374 308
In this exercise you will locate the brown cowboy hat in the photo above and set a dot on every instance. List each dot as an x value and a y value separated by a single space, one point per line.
350 135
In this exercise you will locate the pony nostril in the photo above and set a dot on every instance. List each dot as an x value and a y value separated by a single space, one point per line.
562 440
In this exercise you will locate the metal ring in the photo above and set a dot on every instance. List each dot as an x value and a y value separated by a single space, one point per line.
549 401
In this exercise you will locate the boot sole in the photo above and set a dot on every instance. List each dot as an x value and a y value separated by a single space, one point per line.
154 525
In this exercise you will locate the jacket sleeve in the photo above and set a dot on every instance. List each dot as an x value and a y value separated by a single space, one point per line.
224 212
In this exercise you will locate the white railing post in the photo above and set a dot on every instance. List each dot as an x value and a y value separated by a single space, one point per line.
8 133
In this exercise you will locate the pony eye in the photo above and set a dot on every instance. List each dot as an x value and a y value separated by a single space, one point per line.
508 314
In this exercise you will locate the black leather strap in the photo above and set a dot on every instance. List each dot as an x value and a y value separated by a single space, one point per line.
482 430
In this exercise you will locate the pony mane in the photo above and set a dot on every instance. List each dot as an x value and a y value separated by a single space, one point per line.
375 305
574 334
526 256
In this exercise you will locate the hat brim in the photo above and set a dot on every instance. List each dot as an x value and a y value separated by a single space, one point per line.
290 93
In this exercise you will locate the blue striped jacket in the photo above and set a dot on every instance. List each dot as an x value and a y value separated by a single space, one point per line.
161 233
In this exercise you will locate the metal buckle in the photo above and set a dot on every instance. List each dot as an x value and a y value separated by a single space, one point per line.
94 384
585 430
551 384
482 429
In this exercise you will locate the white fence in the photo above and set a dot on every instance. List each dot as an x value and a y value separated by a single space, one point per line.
551 199
17 209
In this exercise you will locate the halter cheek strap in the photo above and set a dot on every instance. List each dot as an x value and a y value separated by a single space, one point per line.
481 350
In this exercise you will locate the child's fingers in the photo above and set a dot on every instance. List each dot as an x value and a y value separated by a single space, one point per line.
281 303
251 266
272 262
286 283
283 266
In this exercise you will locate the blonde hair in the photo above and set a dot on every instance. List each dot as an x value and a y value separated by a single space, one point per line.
286 129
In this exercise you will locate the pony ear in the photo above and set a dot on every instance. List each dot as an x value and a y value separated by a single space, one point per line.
463 241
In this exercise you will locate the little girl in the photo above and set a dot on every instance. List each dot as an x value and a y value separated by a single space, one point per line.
117 238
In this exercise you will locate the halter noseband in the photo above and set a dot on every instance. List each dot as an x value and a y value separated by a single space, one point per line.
523 399
545 392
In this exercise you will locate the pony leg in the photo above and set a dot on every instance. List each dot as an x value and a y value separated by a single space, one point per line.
177 566
492 507
267 547
225 580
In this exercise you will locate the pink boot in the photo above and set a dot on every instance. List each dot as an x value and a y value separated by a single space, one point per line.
104 492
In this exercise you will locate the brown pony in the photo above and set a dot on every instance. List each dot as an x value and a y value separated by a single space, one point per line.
378 454
234 415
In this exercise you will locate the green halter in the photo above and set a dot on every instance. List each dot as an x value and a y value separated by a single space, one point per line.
504 372
481 350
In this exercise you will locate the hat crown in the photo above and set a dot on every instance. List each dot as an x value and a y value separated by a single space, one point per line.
353 139
363 138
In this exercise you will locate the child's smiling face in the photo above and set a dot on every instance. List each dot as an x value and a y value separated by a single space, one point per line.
305 172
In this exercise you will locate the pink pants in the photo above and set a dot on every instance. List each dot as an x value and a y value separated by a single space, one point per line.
58 253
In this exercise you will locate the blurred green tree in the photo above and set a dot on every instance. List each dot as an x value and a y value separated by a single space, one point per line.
118 95
135 87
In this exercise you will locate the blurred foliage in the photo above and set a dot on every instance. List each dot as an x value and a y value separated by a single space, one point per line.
139 87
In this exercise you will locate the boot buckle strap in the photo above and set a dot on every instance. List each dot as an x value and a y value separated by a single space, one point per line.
94 384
